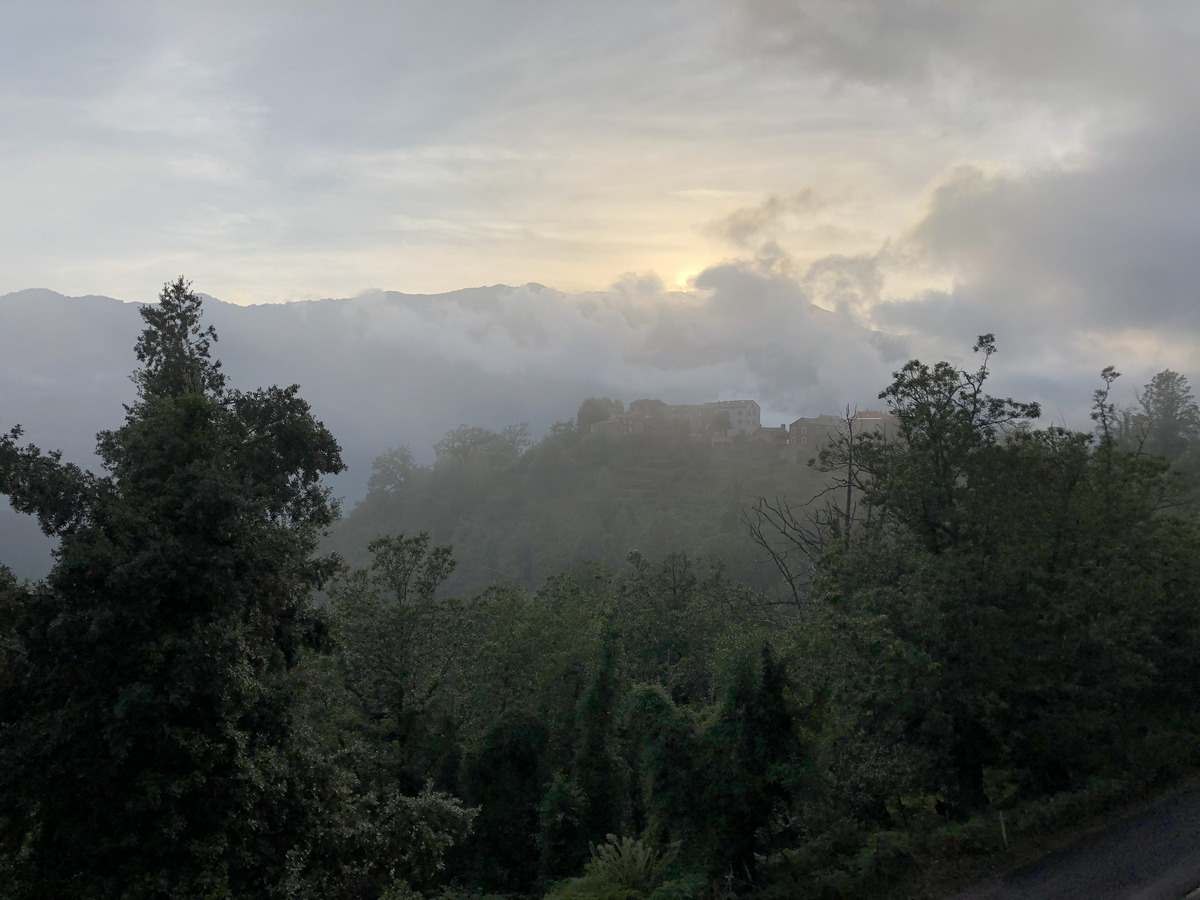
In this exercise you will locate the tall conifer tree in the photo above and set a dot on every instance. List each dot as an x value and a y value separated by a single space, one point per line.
147 730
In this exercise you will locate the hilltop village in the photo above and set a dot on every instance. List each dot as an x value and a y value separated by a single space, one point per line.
721 421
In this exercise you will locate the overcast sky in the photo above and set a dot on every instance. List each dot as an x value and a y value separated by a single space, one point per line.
925 171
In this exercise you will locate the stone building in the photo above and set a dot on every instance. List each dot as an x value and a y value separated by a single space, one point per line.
806 436
744 417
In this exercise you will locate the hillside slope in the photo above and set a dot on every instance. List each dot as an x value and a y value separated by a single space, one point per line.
572 497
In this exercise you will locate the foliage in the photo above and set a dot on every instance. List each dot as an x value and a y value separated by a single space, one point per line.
505 776
631 863
401 841
398 645
718 781
572 496
1008 621
629 869
1166 420
174 348
984 618
596 409
468 442
391 470
151 722
948 425
1023 609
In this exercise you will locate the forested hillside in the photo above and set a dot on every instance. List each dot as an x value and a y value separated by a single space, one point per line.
517 513
992 627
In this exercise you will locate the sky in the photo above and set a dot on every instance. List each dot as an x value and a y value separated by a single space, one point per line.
746 196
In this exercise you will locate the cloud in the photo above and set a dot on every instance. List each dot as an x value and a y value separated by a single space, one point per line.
1046 52
846 284
793 355
1068 224
306 152
1109 247
1073 269
388 368
748 329
750 224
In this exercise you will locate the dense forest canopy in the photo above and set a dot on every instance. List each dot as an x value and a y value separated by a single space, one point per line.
517 511
644 669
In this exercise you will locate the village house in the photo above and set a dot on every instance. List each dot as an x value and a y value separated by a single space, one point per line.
720 421
719 418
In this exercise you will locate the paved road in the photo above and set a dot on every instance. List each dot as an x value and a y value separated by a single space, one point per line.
1154 855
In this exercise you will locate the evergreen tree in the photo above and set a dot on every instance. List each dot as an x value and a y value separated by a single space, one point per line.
598 770
505 778
1169 415
149 729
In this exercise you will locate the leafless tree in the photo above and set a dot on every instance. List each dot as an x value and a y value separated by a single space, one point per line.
795 536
